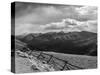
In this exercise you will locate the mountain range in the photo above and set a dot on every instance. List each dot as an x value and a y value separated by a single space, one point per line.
82 43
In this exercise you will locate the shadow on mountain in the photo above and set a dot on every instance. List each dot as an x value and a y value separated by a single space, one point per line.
82 43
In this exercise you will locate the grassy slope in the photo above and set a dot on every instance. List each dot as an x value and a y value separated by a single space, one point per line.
79 60
23 65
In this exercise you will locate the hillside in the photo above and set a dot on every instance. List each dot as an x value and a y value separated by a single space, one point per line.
72 42
24 64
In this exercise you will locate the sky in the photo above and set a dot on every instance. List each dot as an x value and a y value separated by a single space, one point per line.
42 18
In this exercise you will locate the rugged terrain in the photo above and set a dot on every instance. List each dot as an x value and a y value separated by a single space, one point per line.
82 43
24 64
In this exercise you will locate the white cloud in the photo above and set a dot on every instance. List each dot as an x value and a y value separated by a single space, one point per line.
72 25
27 28
51 11
52 18
85 10
89 12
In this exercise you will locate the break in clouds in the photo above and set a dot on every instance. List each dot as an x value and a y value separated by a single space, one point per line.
38 18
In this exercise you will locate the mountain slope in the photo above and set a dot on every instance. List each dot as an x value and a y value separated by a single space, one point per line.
72 42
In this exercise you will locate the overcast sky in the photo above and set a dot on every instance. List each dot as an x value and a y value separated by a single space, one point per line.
34 17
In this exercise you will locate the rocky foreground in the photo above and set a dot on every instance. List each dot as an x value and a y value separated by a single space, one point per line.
27 63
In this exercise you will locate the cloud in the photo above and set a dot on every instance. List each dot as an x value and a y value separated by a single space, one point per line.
65 23
27 28
45 17
89 26
69 25
40 15
87 12
44 14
